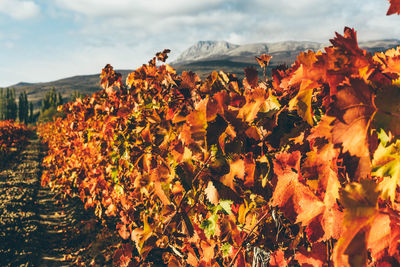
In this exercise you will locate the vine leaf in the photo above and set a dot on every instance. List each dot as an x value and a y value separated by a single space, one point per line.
360 202
123 231
212 193
302 101
386 164
278 259
380 233
295 199
315 257
263 60
354 109
389 61
394 7
251 77
140 236
110 78
388 115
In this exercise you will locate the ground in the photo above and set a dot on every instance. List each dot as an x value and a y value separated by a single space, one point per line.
37 227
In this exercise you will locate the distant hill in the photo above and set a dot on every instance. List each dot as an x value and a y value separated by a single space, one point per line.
202 58
206 56
281 52
85 84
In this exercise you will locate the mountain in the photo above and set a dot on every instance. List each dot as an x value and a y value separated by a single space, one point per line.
206 50
202 58
281 52
85 84
207 56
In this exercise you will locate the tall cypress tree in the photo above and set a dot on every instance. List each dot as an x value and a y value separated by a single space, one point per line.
11 108
23 107
2 104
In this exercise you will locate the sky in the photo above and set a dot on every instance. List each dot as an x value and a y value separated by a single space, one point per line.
46 40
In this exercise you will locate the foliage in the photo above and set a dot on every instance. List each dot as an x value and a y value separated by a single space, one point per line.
8 105
24 108
12 137
394 7
48 109
304 165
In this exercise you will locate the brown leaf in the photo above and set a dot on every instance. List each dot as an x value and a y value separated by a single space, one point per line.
263 60
162 56
251 77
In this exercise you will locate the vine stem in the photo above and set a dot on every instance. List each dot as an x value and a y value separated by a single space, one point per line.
247 237
186 192
194 179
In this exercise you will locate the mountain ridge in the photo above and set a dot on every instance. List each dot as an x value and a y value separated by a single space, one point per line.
281 52
201 58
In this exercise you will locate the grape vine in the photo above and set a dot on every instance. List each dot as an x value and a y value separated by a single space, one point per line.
303 167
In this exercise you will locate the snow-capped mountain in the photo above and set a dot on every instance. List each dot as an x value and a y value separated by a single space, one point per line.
282 52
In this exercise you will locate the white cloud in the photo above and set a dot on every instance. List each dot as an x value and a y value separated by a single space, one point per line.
127 33
234 20
18 9
101 8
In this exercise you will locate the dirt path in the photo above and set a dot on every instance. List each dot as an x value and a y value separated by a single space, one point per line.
36 228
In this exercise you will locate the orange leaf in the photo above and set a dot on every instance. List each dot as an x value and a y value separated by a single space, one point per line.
263 60
278 259
360 203
354 109
123 231
237 170
316 257
160 193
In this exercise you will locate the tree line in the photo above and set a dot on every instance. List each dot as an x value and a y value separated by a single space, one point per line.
23 109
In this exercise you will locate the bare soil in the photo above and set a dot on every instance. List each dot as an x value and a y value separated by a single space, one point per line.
38 228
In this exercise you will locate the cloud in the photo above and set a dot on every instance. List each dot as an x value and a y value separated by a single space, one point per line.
126 33
234 20
18 9
104 8
87 34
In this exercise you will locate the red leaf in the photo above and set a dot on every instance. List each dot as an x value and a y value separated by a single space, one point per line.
289 191
316 257
123 256
278 259
123 231
251 79
394 7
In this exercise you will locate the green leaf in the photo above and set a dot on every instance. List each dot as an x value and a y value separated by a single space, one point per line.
383 137
226 206
209 225
225 249
386 164
114 175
